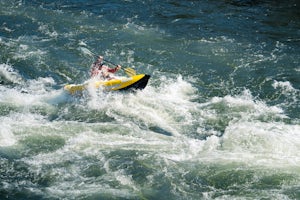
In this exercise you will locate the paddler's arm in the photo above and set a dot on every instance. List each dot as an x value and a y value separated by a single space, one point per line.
114 70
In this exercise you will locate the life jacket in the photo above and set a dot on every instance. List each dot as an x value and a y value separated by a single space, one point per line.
103 71
96 68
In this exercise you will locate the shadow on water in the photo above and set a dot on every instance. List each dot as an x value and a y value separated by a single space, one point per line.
160 130
244 2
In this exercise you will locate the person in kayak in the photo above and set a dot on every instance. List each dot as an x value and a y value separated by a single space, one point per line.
99 69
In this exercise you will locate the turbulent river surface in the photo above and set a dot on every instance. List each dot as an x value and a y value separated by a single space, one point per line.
219 118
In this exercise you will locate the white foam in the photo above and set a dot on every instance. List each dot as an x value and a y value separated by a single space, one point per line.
285 86
246 139
15 123
271 144
162 107
9 73
7 137
246 106
44 28
40 84
27 53
31 93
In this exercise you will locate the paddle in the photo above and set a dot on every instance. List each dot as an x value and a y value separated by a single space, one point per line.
129 71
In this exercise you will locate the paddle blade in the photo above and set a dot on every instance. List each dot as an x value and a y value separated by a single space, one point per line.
129 71
86 51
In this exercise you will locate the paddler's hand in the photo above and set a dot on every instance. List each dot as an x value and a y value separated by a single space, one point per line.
119 67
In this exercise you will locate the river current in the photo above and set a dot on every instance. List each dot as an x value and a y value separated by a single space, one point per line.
219 118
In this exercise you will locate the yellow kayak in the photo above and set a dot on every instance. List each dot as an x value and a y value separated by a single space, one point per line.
136 82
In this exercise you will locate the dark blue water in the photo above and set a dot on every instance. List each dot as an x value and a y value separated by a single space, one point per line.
219 118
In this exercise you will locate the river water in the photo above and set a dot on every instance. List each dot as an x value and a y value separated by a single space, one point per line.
219 118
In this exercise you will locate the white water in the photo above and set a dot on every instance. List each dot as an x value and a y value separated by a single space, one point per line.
162 123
